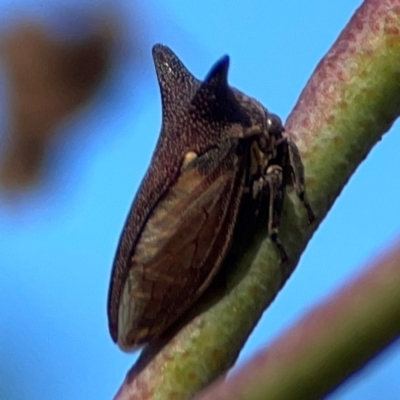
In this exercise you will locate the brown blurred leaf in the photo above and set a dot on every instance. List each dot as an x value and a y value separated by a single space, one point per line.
49 79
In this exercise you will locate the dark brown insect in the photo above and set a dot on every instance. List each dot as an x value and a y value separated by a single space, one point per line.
216 144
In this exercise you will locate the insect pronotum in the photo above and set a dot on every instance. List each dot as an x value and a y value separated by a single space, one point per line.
216 144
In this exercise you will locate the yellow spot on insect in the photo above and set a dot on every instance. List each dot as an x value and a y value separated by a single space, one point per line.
189 157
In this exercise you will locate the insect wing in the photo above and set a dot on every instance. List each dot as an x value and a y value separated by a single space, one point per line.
179 252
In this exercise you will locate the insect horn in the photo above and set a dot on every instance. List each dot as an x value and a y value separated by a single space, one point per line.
172 76
215 100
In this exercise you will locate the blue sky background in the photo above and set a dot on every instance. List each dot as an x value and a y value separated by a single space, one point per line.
57 247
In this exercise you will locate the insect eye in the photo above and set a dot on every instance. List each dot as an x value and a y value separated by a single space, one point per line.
274 124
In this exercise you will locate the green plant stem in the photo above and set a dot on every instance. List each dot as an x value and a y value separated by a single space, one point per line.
330 343
352 98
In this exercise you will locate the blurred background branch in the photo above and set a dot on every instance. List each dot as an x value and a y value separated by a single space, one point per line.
328 345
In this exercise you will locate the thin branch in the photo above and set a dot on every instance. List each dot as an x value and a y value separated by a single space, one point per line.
326 346
352 98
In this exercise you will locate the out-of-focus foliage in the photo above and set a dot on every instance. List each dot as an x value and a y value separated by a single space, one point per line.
48 78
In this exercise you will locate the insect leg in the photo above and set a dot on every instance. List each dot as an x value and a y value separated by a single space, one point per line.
275 187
